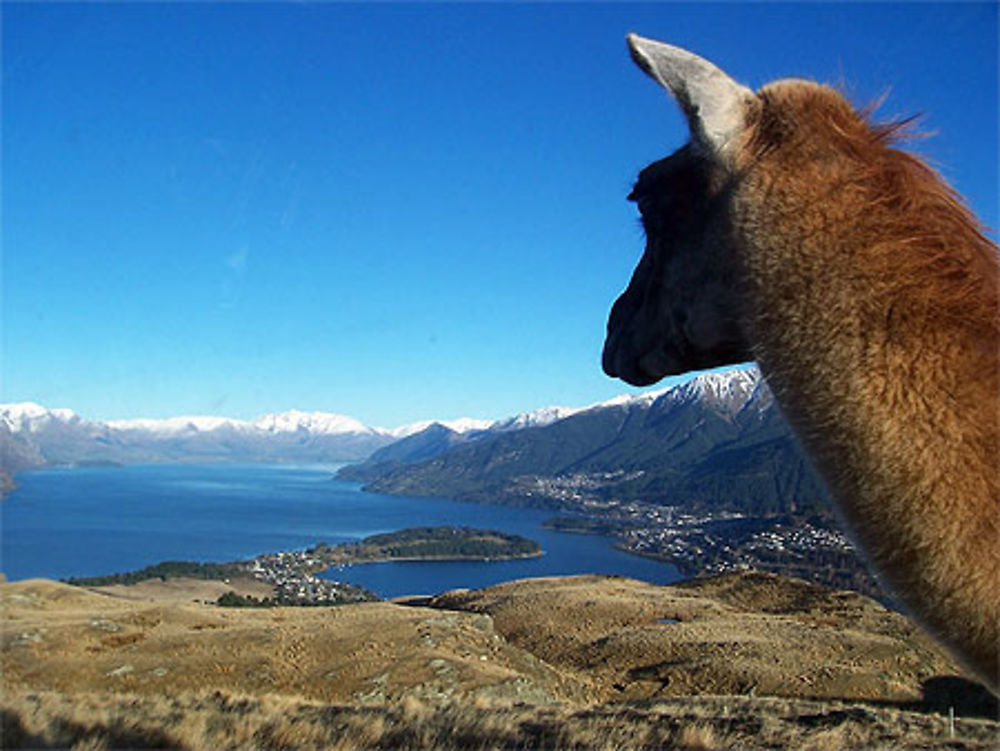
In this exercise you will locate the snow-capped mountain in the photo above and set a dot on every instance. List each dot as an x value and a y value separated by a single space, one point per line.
630 400
470 425
57 435
63 437
29 417
293 421
727 392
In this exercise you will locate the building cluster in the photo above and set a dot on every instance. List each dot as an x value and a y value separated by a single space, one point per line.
684 540
697 542
573 489
802 540
292 574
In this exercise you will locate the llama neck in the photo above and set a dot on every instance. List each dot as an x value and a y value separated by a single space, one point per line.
897 401
876 303
879 348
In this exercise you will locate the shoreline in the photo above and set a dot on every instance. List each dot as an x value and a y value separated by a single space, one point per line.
434 559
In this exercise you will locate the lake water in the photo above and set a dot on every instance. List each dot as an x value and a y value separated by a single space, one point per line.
88 521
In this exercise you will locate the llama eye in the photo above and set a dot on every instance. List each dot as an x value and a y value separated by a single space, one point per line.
645 204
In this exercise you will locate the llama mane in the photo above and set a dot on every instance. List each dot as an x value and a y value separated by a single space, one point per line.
938 250
931 249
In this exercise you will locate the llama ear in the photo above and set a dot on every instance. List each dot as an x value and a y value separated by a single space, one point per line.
713 103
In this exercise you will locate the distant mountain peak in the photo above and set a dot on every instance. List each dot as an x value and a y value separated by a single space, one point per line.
461 425
728 391
30 409
27 416
535 419
62 436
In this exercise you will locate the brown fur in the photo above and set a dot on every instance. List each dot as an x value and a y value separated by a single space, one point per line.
870 256
869 295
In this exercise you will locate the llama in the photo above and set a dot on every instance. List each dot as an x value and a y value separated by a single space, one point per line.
790 231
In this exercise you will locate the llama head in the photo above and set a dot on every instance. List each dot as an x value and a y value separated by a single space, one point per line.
685 307
682 309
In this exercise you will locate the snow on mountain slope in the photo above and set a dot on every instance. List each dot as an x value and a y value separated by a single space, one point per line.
30 417
177 425
535 419
628 400
461 425
56 436
728 391
293 421
326 423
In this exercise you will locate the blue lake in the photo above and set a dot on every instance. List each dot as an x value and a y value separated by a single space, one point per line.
89 521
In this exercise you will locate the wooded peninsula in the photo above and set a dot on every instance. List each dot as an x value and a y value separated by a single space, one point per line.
293 573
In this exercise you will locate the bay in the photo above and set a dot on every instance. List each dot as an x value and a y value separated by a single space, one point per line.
98 520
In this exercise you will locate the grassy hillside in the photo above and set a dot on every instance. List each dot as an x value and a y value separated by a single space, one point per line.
748 661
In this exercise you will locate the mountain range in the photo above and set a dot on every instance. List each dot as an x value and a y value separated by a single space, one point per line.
717 441
34 436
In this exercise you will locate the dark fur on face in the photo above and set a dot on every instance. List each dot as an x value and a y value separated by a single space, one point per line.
681 310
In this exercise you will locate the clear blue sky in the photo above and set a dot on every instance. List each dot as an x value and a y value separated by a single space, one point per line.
394 212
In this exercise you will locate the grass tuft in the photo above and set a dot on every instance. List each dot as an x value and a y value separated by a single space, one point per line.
698 737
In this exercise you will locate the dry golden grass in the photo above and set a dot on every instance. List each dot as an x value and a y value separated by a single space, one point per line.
183 589
60 638
579 663
759 633
699 737
215 721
